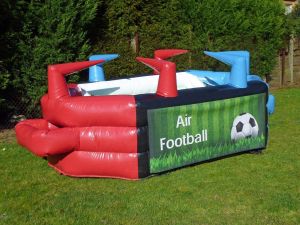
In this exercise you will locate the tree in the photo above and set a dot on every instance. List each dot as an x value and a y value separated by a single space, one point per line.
53 31
9 30
294 21
7 24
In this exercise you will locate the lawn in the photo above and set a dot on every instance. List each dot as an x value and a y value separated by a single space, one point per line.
244 189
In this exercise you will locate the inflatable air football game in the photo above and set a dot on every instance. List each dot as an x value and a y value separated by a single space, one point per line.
139 126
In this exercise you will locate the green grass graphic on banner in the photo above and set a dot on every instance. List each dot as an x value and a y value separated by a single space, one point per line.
187 134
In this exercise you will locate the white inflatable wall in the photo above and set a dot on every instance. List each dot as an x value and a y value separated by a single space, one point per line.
137 85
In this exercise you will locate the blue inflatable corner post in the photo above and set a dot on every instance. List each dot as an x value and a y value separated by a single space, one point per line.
271 104
96 73
240 66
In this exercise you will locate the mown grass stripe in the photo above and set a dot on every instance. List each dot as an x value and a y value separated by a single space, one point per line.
160 126
187 113
217 120
246 104
171 117
196 120
221 121
259 110
228 119
236 108
243 105
253 105
211 121
203 114
262 114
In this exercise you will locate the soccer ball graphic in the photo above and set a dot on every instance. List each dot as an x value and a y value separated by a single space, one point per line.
244 126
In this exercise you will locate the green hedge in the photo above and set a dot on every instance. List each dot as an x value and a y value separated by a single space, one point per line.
216 25
38 33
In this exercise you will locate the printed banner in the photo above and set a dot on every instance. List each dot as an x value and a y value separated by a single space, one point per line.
183 135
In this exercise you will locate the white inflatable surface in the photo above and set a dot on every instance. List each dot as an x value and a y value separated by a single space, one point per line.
137 85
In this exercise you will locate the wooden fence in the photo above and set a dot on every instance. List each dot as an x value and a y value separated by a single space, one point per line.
287 70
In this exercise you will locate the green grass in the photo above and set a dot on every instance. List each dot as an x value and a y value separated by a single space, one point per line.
244 189
174 159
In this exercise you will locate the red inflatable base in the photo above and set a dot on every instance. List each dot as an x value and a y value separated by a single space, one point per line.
86 151
96 164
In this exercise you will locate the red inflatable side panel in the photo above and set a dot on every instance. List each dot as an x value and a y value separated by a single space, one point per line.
109 139
96 164
167 84
44 139
90 111
61 109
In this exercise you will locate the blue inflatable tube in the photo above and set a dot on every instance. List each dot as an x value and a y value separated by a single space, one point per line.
96 73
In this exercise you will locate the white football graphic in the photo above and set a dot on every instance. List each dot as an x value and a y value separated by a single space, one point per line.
244 126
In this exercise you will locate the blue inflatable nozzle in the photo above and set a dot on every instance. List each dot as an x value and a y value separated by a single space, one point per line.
244 54
96 73
239 62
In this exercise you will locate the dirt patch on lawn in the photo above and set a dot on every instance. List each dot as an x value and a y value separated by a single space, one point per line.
7 135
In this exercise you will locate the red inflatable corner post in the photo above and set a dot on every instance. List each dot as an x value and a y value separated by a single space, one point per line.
167 85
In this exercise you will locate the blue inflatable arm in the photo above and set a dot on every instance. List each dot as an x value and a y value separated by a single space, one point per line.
210 77
96 73
244 54
239 62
